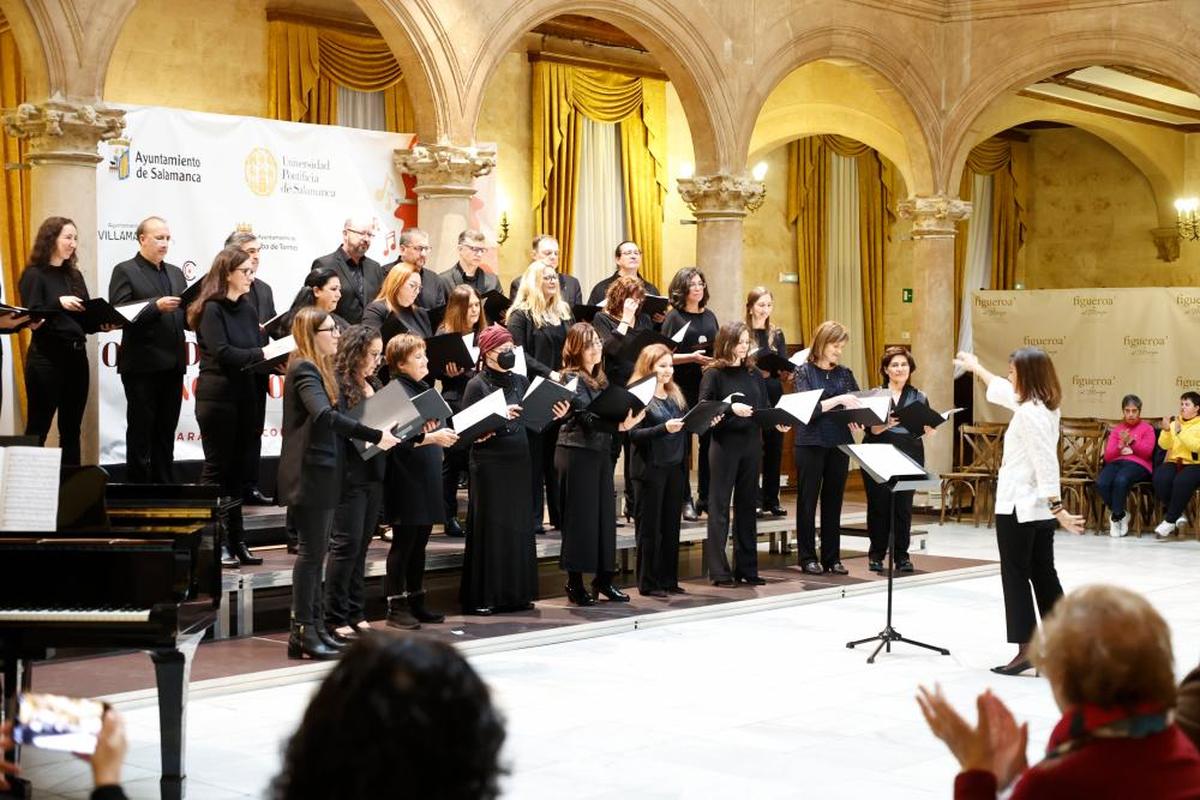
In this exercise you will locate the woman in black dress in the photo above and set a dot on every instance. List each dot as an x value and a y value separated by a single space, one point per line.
464 315
689 306
768 338
585 474
896 368
56 368
414 481
500 563
357 360
311 470
734 458
397 304
229 338
538 321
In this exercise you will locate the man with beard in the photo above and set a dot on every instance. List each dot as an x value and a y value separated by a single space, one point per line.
360 276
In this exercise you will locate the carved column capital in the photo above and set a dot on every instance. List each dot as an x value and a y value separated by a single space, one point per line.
444 170
721 196
1166 241
64 132
934 217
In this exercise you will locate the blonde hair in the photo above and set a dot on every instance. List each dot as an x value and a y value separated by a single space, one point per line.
399 349
304 330
644 367
532 300
828 332
1106 646
397 276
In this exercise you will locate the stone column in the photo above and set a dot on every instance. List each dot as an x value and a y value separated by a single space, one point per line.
63 135
720 203
933 220
445 185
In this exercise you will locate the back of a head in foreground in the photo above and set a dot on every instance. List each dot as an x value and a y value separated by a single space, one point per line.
397 718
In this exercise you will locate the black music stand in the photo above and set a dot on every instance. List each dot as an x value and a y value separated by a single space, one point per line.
914 478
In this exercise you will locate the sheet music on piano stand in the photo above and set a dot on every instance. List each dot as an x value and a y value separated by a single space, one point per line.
29 479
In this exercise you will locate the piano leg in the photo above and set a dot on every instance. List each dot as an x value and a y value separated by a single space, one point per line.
172 669
17 678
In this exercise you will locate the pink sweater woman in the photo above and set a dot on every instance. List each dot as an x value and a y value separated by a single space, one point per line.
1126 462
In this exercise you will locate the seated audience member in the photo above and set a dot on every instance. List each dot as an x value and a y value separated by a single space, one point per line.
1187 706
397 717
1107 655
106 761
1179 475
1126 462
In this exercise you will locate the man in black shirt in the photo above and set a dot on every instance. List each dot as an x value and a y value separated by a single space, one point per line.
629 261
360 276
414 251
152 357
471 246
545 250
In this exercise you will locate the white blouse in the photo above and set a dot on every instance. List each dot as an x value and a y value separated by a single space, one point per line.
1029 469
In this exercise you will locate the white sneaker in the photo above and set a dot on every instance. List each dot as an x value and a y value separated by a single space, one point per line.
1114 528
1181 522
1164 530
1125 525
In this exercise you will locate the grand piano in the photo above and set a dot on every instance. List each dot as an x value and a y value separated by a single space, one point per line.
131 568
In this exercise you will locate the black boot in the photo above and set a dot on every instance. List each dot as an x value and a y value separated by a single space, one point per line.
228 560
237 544
575 591
416 604
602 584
399 616
689 511
328 639
304 641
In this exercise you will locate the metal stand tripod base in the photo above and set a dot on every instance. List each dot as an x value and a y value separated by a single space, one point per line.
885 638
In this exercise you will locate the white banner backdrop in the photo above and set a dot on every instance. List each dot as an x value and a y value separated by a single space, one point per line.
206 174
1105 343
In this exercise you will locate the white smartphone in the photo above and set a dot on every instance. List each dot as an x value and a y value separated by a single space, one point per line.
54 722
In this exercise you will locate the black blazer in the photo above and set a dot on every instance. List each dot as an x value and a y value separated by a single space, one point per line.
311 461
263 300
600 290
153 342
350 306
653 446
484 281
543 344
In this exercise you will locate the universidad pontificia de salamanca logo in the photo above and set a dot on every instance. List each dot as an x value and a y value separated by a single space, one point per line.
307 176
128 162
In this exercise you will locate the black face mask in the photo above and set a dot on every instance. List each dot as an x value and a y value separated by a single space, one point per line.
506 359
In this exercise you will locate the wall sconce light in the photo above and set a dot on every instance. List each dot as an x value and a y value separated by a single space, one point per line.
759 171
502 229
1188 210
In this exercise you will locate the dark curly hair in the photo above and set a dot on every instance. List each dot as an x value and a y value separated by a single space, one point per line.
352 349
44 243
678 291
398 717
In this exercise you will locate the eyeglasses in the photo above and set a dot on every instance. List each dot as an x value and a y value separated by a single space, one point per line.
375 356
476 250
330 329
249 271
420 248
364 234
697 284
631 252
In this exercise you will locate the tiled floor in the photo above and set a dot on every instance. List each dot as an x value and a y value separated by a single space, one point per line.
762 705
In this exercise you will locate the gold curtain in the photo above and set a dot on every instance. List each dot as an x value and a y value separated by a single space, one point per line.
808 164
306 64
14 199
562 95
998 158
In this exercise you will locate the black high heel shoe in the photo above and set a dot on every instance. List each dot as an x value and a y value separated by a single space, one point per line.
609 591
244 556
303 642
579 595
1014 668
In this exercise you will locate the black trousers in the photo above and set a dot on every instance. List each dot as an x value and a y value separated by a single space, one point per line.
227 429
879 521
545 477
406 559
659 503
820 474
57 383
354 524
313 526
1113 482
702 476
152 401
454 464
772 445
1174 487
1026 557
253 451
734 462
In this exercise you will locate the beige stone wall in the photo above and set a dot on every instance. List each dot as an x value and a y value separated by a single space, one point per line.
679 240
770 247
1090 214
203 56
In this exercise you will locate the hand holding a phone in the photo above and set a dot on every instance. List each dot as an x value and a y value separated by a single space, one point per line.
110 750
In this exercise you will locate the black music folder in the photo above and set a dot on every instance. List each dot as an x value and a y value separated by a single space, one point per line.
279 326
699 417
915 416
796 408
98 312
275 354
390 407
874 411
483 417
585 313
635 342
391 328
451 348
772 362
33 313
190 294
431 405
655 304
615 402
537 407
495 306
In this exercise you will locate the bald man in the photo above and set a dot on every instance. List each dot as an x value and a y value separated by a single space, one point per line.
361 276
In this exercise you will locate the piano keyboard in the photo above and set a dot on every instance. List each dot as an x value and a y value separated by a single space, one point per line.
74 615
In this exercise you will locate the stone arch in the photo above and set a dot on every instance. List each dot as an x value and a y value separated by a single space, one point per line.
29 46
890 74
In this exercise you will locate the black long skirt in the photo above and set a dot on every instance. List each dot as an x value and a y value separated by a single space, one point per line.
589 519
500 562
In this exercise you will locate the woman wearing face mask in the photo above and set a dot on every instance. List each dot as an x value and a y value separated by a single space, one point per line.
896 367
1176 479
583 460
414 478
311 470
734 458
464 315
538 322
1127 460
500 563
768 338
821 468
397 300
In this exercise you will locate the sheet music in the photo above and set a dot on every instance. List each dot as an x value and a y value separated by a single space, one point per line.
948 414
537 381
879 405
643 390
279 347
519 367
29 479
886 461
801 405
494 403
735 397
678 335
130 311
469 341
573 384
800 356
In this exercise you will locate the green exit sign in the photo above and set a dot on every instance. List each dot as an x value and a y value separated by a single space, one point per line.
906 295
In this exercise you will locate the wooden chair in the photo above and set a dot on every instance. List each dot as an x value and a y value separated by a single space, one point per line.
1080 454
980 448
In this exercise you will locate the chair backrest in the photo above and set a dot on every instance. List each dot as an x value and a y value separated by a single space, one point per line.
1080 450
981 447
